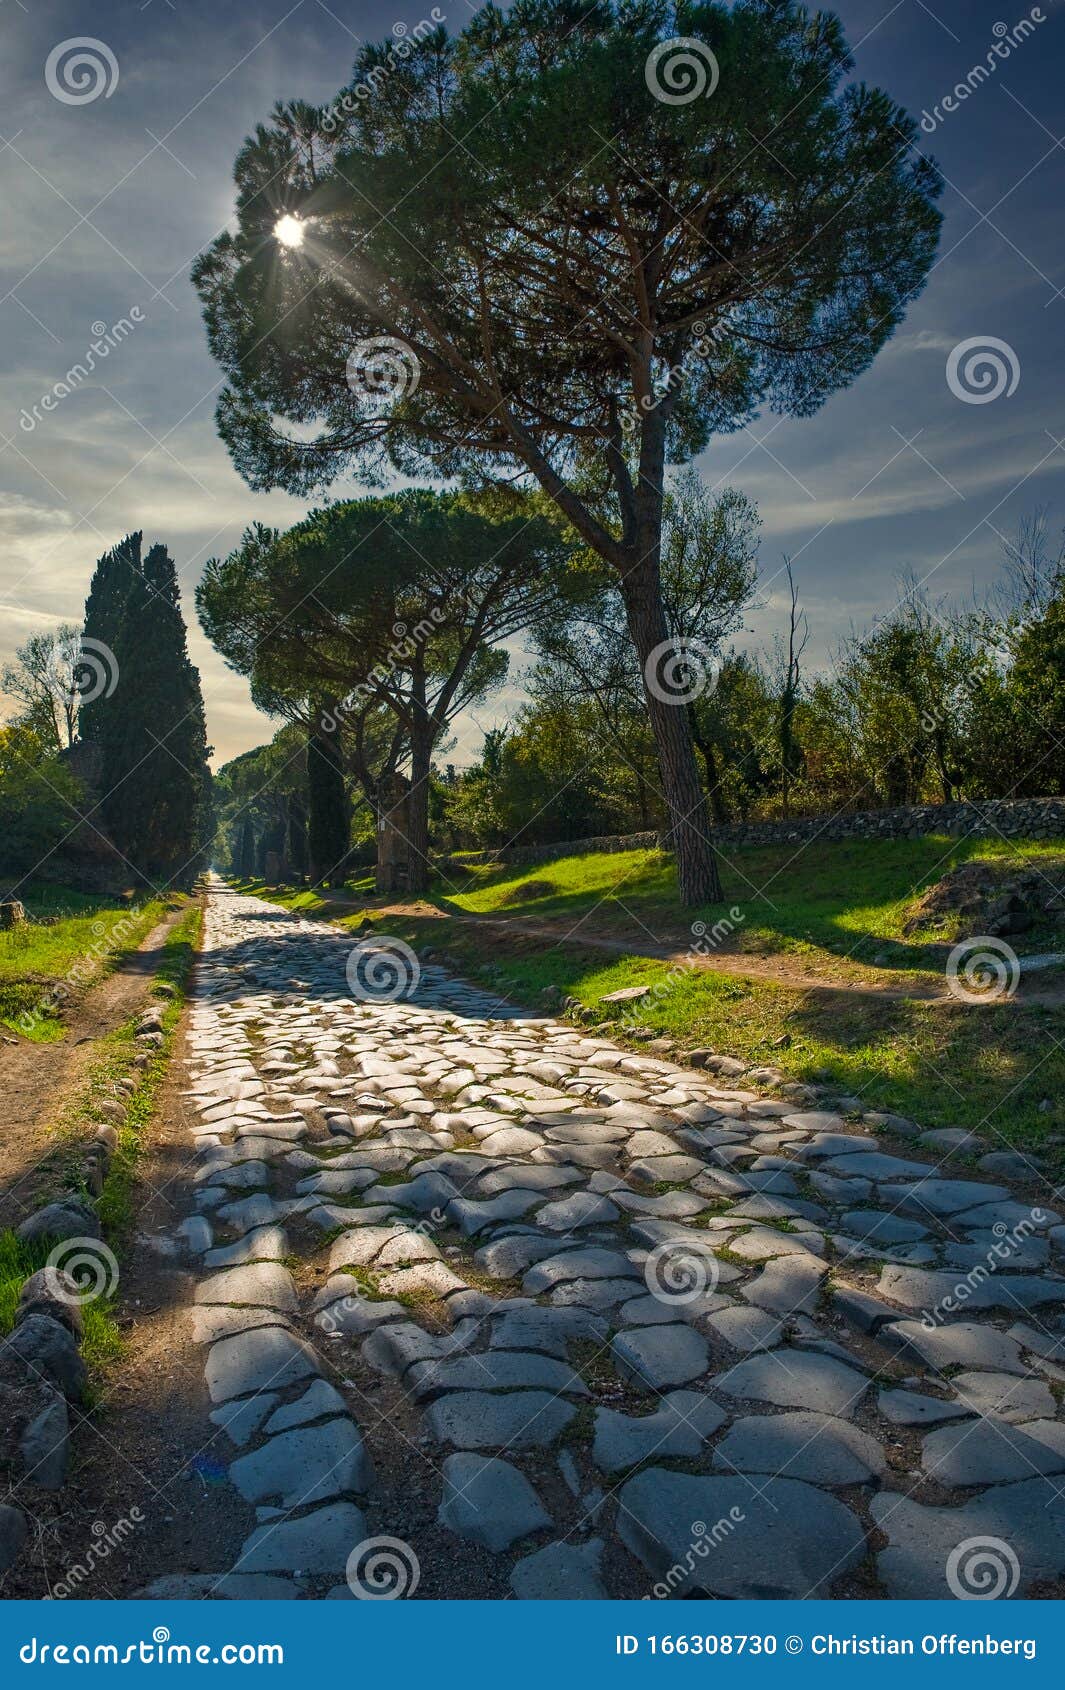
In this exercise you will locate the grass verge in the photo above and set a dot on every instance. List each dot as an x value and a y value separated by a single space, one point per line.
112 1075
67 944
994 1068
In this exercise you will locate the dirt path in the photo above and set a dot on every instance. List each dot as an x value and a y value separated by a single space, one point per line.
36 1080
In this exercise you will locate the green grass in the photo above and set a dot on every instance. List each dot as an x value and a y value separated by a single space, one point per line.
943 1063
116 1202
69 942
102 1343
843 897
832 904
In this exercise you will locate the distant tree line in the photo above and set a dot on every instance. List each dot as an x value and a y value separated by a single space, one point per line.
933 703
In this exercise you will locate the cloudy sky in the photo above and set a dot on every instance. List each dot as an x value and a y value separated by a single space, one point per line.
108 201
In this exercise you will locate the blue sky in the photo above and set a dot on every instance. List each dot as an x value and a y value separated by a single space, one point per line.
107 202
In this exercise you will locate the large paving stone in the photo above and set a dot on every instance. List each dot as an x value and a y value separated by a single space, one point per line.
964 1343
788 1285
578 1264
506 1258
493 1371
265 1358
265 1285
953 1293
747 1329
793 1378
549 1330
580 1208
997 1544
563 1572
680 1427
319 1542
879 1227
660 1356
489 1501
782 1539
261 1244
307 1464
817 1447
513 1420
988 1452
912 1408
875 1165
940 1196
241 1418
1004 1396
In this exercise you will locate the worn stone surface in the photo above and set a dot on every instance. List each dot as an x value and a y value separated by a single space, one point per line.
307 1464
797 1379
817 1447
815 1539
563 1572
489 1501
612 1325
319 1542
516 1419
660 1356
680 1427
1028 1518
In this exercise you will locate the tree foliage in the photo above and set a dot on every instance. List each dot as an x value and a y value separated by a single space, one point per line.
578 282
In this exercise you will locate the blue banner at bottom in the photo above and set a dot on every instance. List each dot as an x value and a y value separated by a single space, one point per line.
591 1644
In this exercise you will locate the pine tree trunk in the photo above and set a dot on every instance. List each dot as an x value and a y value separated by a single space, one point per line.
421 751
689 835
421 754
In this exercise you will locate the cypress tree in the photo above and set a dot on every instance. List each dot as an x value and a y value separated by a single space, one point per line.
111 584
328 826
155 779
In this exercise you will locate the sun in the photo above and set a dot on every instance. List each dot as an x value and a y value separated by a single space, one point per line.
289 231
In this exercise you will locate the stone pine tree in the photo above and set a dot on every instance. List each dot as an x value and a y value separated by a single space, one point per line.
154 777
402 601
568 247
328 818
